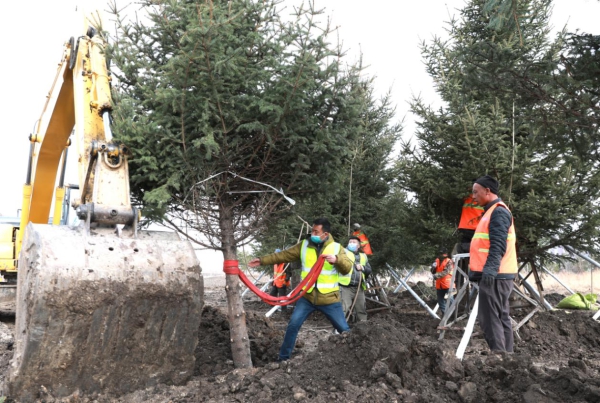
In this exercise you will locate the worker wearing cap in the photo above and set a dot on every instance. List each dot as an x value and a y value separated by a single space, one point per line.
364 240
494 264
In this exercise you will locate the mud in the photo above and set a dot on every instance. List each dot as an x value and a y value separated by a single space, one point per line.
394 357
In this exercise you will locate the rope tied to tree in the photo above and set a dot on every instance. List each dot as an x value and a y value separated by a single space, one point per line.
232 267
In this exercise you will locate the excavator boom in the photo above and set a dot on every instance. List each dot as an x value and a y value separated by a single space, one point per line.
102 307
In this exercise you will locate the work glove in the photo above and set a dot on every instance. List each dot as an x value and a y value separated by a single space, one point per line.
488 280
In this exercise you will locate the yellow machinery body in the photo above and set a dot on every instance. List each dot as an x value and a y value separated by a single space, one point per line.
102 307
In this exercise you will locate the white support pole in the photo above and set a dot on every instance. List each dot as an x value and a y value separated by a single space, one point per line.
460 352
419 300
273 310
556 278
533 292
589 259
256 282
397 277
276 307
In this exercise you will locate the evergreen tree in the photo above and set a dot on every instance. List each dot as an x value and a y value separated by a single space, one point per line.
214 96
362 185
509 112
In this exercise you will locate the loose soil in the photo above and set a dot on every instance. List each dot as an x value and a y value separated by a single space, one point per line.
396 356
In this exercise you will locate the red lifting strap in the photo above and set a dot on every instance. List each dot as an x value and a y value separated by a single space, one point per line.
231 267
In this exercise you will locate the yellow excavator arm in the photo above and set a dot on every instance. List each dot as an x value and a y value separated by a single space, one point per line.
79 102
100 307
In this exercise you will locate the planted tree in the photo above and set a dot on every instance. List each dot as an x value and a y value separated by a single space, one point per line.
224 102
513 108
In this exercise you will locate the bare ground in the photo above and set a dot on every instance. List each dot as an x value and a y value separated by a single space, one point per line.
394 357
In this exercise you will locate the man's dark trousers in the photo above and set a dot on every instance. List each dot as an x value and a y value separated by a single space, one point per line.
493 314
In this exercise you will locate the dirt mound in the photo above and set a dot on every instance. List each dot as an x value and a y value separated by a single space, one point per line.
394 356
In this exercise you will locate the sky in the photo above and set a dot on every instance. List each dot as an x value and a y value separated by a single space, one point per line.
388 34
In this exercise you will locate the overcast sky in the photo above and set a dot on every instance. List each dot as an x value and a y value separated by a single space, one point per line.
387 32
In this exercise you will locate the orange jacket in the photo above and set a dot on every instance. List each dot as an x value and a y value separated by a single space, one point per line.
480 245
364 241
279 276
470 215
443 283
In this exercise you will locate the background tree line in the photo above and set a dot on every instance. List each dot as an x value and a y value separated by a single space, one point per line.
215 96
517 104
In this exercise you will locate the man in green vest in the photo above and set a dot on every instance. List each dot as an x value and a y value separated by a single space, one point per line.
352 294
324 296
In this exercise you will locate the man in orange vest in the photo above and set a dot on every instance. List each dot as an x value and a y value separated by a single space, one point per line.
281 280
364 240
442 274
494 264
469 218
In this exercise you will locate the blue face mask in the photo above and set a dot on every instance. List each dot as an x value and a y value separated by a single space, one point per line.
315 238
352 247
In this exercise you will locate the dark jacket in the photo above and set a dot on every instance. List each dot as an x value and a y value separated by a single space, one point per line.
356 274
500 222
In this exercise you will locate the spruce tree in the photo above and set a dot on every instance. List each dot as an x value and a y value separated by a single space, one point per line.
363 182
509 111
214 96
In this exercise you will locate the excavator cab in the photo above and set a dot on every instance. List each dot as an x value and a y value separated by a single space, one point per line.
101 307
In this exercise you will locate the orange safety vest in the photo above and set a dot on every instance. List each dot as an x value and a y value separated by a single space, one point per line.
364 242
470 215
279 276
480 245
443 283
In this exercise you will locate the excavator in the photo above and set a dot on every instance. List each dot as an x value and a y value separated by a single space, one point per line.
102 307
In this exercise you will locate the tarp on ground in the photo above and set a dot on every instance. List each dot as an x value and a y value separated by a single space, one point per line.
579 301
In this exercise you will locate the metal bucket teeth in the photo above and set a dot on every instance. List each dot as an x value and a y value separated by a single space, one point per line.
103 314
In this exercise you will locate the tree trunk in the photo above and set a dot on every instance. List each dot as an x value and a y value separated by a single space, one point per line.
240 344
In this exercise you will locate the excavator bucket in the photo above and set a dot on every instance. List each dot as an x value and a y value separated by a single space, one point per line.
100 312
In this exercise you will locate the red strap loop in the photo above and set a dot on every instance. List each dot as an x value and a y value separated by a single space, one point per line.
231 267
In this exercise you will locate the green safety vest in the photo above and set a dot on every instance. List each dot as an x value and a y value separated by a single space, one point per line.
328 279
345 278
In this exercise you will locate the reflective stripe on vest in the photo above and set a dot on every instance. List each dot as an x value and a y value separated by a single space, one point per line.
480 245
442 283
345 278
470 215
328 279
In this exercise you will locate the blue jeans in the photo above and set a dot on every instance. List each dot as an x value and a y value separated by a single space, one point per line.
303 309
